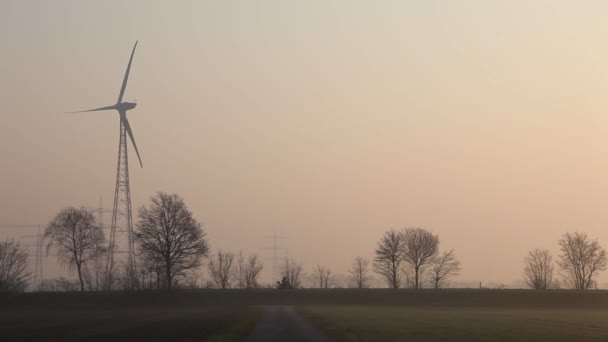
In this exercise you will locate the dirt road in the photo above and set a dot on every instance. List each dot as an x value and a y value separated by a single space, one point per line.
282 323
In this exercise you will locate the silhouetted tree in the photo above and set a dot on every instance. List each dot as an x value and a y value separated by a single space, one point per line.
443 267
248 271
389 257
538 272
221 269
420 247
168 233
323 277
75 236
581 260
292 272
359 273
14 274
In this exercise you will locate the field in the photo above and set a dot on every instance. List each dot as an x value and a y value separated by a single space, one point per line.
219 324
464 315
344 315
121 317
453 324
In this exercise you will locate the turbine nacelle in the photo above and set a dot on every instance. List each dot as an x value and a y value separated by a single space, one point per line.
125 106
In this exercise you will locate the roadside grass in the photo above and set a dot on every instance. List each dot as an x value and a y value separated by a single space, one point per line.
240 329
172 324
375 323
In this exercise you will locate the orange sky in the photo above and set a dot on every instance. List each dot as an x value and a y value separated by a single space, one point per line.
328 122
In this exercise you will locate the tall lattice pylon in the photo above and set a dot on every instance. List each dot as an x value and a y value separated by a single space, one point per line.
276 264
122 218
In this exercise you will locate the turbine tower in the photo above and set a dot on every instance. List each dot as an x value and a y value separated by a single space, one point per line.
122 218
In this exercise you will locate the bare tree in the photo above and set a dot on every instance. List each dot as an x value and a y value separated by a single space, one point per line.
581 260
443 267
14 274
75 236
292 273
247 271
239 271
253 268
420 248
323 277
389 257
221 269
359 273
538 270
167 232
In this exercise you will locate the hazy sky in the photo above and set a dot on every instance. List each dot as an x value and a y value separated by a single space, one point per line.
327 122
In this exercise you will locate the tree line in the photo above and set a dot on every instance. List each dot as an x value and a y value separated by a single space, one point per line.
579 263
410 258
171 246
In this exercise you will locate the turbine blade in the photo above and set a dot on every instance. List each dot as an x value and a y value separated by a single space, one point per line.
125 121
124 81
96 109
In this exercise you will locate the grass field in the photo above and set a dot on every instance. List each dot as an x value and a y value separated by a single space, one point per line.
344 314
465 315
168 324
457 324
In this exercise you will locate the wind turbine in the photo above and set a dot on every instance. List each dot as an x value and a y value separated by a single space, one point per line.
123 107
121 212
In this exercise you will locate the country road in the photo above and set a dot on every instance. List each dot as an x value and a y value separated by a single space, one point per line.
282 323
